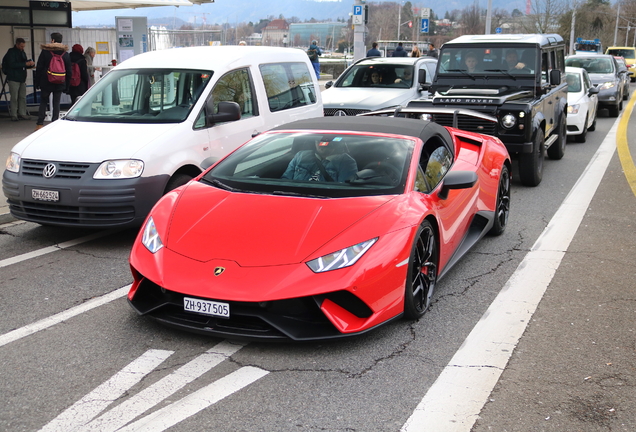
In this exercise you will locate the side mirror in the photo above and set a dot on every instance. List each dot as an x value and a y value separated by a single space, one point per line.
630 73
592 91
328 84
555 77
421 79
457 180
228 111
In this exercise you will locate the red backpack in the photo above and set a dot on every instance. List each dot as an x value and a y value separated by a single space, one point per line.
57 70
76 76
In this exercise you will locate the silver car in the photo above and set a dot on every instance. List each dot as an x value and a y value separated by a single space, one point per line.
378 82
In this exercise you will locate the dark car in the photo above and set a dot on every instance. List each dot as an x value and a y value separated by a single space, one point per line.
622 67
606 76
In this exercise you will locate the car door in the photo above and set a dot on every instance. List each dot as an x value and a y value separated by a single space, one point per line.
592 98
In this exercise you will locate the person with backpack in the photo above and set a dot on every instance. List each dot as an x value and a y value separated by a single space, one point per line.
52 76
313 52
79 73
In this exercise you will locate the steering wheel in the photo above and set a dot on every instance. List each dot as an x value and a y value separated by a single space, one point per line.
386 169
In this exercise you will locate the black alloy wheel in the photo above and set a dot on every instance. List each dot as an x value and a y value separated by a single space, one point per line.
502 209
422 272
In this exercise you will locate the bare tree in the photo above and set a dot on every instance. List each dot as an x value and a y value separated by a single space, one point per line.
545 16
471 19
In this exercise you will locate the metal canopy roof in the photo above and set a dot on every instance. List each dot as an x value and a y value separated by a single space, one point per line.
87 5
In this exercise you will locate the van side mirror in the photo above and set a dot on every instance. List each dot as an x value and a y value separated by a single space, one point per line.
228 111
421 79
555 77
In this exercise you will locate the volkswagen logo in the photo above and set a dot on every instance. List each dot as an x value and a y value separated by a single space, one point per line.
340 113
218 271
49 170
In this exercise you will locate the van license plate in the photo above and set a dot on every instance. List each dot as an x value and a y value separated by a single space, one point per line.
45 195
206 307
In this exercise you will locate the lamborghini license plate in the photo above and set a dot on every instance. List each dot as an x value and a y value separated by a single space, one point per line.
206 307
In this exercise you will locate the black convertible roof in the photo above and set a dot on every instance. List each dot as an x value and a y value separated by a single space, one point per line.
393 125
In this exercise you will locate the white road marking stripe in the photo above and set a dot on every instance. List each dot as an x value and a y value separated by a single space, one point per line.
45 323
151 396
49 249
197 401
97 400
10 224
454 401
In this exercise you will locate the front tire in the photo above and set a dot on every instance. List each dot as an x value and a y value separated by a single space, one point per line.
593 127
583 135
614 111
176 181
557 149
531 164
502 206
422 272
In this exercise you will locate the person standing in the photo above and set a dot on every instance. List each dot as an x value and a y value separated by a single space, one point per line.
314 52
400 51
432 51
14 66
77 57
374 51
416 51
54 48
89 55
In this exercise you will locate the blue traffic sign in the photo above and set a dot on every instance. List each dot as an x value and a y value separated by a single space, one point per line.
424 28
357 10
498 30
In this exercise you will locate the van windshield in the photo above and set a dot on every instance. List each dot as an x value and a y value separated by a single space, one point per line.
141 96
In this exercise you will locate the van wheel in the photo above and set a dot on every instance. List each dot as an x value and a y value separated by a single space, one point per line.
176 181
531 164
557 149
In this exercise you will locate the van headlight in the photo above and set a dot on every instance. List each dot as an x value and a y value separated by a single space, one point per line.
13 162
119 169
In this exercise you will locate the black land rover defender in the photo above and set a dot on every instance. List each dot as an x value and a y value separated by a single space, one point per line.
514 78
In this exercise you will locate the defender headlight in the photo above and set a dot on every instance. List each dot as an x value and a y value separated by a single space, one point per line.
151 238
341 259
427 117
607 85
116 169
508 121
573 109
13 162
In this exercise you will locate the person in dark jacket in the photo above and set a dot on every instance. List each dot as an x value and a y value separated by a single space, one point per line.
314 52
77 56
400 51
14 66
42 81
328 162
432 51
374 51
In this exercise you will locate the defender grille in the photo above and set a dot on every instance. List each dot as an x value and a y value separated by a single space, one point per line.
467 123
66 170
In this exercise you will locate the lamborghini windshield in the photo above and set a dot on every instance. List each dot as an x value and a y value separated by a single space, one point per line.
326 164
141 96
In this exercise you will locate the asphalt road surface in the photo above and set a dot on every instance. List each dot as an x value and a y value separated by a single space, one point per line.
74 356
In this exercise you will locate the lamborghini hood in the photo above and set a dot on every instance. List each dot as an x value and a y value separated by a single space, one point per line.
259 230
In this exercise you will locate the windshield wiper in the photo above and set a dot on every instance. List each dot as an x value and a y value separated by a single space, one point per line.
462 71
287 193
502 71
222 185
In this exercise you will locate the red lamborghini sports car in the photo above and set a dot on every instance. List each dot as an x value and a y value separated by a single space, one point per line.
319 229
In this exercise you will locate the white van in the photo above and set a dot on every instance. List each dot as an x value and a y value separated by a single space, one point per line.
146 126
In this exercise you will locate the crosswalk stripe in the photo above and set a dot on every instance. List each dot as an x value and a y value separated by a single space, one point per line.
161 390
96 401
197 401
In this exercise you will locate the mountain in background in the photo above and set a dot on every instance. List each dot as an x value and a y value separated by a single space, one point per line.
243 11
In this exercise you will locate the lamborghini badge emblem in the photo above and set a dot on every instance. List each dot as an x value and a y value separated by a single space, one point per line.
218 271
